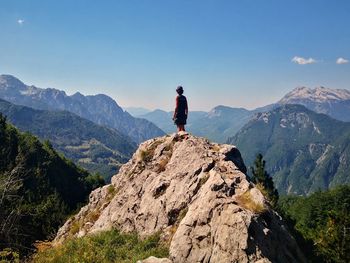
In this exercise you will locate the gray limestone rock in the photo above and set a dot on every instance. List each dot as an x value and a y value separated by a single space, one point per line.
155 260
197 195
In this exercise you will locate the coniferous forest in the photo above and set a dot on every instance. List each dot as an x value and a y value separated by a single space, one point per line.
320 223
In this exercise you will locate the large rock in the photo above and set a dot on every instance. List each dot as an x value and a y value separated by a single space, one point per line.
197 195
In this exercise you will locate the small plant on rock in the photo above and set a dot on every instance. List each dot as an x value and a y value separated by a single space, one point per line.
247 201
264 181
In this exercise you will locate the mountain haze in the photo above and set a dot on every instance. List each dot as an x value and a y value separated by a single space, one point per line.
137 111
100 108
223 122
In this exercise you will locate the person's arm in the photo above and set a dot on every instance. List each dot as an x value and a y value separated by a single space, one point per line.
186 109
176 107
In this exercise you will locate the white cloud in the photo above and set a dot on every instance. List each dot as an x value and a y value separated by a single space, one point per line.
303 61
342 61
20 21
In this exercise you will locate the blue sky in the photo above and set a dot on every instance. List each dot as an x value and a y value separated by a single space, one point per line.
236 53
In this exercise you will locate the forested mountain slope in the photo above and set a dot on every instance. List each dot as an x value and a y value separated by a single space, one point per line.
304 150
38 189
94 147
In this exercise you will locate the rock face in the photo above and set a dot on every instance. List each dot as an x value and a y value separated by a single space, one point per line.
197 195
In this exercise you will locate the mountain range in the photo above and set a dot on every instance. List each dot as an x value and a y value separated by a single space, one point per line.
333 102
223 122
100 108
304 151
285 149
94 147
217 125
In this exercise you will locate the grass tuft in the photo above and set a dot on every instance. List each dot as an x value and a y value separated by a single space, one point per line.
75 227
108 246
161 165
246 201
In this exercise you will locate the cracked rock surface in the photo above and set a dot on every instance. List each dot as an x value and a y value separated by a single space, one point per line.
197 195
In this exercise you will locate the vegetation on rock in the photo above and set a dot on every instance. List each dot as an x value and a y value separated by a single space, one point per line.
108 246
263 180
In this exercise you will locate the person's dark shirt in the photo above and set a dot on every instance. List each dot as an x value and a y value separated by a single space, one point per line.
181 106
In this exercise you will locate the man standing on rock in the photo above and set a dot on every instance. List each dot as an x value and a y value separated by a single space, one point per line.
181 110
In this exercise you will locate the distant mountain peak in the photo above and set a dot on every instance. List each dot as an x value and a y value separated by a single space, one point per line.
9 81
318 94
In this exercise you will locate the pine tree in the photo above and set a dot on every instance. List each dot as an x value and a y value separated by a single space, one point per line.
2 121
263 180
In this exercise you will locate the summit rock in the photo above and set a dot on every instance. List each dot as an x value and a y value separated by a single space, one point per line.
196 194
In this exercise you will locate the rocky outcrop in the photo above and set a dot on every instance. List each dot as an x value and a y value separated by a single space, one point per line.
197 195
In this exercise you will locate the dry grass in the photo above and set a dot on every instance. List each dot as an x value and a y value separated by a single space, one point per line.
146 155
161 165
246 201
75 227
171 233
111 192
203 180
42 245
215 148
182 214
172 230
262 189
92 216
